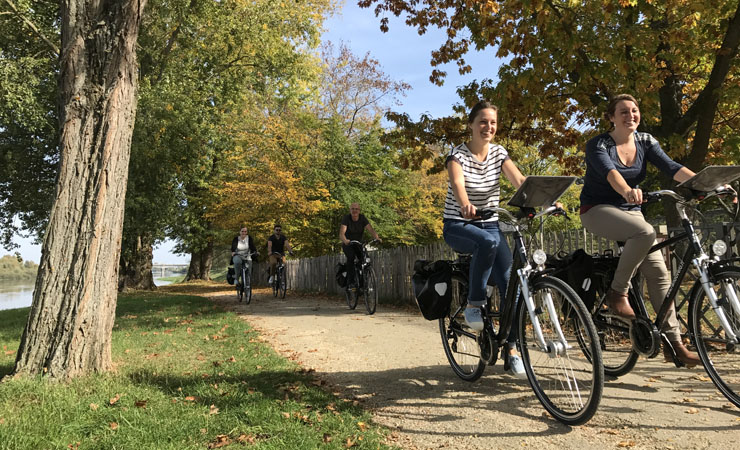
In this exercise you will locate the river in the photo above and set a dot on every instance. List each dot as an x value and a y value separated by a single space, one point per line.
19 294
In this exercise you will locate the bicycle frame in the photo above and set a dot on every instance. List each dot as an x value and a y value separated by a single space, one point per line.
526 274
696 256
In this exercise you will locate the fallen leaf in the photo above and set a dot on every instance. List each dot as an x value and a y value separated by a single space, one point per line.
624 444
94 406
221 440
213 410
286 415
113 426
114 399
189 398
362 426
327 438
692 411
140 403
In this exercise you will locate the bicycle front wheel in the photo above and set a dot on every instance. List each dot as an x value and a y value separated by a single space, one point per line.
282 284
458 340
275 285
369 291
248 293
720 356
568 381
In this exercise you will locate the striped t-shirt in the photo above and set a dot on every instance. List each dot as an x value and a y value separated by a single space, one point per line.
481 179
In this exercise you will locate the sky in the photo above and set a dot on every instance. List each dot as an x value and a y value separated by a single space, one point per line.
403 55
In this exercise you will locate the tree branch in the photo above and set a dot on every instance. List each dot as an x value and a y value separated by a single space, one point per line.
30 24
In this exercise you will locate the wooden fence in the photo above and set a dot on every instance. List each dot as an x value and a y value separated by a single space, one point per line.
394 267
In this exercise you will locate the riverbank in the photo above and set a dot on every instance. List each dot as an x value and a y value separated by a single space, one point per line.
15 269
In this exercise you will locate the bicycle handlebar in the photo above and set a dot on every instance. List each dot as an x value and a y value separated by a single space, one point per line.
524 213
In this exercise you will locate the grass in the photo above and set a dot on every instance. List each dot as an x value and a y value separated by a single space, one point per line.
173 279
188 376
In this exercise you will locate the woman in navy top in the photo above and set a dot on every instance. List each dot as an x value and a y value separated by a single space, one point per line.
616 163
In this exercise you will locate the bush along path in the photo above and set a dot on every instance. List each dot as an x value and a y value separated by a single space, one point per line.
393 364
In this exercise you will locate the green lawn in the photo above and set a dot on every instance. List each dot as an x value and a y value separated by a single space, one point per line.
188 376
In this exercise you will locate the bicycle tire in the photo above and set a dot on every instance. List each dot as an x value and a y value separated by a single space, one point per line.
370 292
460 343
248 294
617 353
351 296
720 357
282 283
275 284
568 385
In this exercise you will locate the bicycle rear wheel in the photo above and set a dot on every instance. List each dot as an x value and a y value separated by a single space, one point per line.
351 296
614 335
721 358
460 342
369 291
568 383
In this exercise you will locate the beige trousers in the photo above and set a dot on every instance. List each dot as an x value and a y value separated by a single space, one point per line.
631 228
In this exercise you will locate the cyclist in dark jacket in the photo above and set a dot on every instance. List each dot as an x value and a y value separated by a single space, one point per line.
352 228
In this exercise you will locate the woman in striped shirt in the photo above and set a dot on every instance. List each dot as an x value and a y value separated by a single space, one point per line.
474 170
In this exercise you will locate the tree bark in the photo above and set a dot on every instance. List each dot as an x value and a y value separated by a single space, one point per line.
200 264
136 265
71 319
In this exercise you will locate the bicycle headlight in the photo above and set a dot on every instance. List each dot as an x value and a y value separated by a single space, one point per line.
719 247
539 257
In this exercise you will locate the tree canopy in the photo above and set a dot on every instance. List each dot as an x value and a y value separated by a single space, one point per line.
564 59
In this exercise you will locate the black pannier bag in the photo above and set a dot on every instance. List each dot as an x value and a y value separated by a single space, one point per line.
341 271
432 283
576 269
230 275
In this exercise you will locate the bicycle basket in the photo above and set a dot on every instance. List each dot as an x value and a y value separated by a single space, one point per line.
230 275
341 271
432 282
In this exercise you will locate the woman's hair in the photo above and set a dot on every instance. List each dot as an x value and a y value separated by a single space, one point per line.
611 108
483 104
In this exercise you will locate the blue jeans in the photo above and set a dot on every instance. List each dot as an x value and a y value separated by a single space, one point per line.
238 261
491 260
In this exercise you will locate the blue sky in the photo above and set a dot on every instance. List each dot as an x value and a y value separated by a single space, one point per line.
403 55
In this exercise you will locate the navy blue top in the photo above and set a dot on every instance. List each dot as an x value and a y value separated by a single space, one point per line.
602 157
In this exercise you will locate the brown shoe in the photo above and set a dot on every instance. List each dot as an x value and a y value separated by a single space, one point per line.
683 355
618 305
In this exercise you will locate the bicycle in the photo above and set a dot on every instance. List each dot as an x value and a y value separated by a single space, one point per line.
713 305
550 316
366 281
279 283
244 289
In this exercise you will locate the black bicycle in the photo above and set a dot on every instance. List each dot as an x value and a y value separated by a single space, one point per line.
366 281
244 288
713 305
552 322
279 282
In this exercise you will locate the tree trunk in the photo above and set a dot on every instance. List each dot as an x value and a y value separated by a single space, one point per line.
71 319
200 264
136 265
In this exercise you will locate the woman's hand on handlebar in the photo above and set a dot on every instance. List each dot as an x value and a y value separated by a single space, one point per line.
468 211
633 196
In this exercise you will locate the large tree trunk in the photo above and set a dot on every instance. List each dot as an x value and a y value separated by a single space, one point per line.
200 264
71 319
136 265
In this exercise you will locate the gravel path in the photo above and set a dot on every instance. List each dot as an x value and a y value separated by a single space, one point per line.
394 364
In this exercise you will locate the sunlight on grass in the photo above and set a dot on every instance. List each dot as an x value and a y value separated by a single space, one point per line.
187 375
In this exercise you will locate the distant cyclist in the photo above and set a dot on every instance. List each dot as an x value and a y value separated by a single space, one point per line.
277 243
242 248
352 228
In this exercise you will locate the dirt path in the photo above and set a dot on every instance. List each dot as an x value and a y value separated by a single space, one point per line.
394 364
